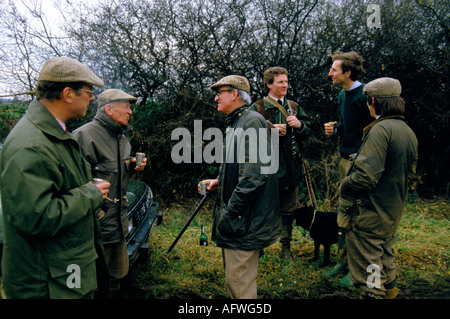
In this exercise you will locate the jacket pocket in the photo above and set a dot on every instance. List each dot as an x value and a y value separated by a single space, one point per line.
106 170
73 272
230 224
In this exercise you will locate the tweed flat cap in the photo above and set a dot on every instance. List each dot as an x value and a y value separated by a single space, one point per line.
64 69
383 87
112 95
236 81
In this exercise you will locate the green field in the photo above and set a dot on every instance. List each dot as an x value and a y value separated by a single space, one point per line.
191 271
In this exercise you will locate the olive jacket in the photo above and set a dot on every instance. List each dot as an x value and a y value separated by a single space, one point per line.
290 171
374 192
108 150
246 215
51 234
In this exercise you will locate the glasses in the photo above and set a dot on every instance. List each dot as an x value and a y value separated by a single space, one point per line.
220 91
91 92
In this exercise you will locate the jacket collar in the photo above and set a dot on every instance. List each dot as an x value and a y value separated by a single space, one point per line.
110 125
381 118
45 121
234 115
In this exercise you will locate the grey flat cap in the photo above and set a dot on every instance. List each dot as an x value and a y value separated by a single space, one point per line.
112 95
64 69
236 81
383 87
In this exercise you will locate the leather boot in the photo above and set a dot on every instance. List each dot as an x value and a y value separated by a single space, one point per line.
391 290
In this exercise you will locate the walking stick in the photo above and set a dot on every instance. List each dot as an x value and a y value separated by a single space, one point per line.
188 222
309 185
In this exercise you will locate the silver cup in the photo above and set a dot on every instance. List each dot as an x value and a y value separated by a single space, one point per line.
139 158
98 181
203 185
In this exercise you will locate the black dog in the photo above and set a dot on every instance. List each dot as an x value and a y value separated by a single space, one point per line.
322 228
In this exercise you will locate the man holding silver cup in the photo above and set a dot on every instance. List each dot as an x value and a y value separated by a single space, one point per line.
108 150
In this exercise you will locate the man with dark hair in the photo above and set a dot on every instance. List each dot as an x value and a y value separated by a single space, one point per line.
354 116
293 124
51 232
246 217
374 192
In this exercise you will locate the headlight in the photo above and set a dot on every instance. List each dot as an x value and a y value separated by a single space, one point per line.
130 226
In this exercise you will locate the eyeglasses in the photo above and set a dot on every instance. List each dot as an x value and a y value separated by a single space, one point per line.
220 91
91 92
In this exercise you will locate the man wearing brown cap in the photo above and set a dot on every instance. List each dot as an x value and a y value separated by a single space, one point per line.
108 150
374 192
52 237
246 216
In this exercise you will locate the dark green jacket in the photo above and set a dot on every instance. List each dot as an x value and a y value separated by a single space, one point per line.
49 211
290 171
106 148
247 215
374 192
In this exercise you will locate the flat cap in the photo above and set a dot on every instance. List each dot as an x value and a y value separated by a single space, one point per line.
236 81
112 95
64 69
383 87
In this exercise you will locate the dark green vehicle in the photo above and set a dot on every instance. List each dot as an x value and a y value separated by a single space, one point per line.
143 214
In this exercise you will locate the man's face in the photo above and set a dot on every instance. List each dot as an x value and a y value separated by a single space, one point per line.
119 111
279 86
225 98
336 74
81 101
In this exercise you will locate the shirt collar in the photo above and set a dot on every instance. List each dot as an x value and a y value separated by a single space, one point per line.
63 125
282 99
355 85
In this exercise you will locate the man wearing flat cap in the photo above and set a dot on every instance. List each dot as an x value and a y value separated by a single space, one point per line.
108 150
51 235
374 192
246 217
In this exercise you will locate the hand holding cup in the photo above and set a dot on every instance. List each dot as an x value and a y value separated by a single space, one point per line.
103 186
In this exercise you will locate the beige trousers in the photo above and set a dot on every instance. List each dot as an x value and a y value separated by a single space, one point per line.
241 270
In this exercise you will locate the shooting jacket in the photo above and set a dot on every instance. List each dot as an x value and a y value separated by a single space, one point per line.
52 237
290 171
374 192
246 215
108 150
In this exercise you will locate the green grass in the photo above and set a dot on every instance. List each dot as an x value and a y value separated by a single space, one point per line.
191 271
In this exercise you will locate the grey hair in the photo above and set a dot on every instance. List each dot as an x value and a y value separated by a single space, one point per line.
244 96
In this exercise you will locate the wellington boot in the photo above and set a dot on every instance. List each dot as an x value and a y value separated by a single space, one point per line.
346 281
340 267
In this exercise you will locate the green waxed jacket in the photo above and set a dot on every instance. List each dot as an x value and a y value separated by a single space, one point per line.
52 237
374 192
247 214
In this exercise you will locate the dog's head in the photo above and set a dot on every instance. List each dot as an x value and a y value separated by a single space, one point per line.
303 216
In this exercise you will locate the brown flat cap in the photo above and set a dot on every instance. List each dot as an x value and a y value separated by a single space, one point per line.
64 69
383 87
236 81
112 95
